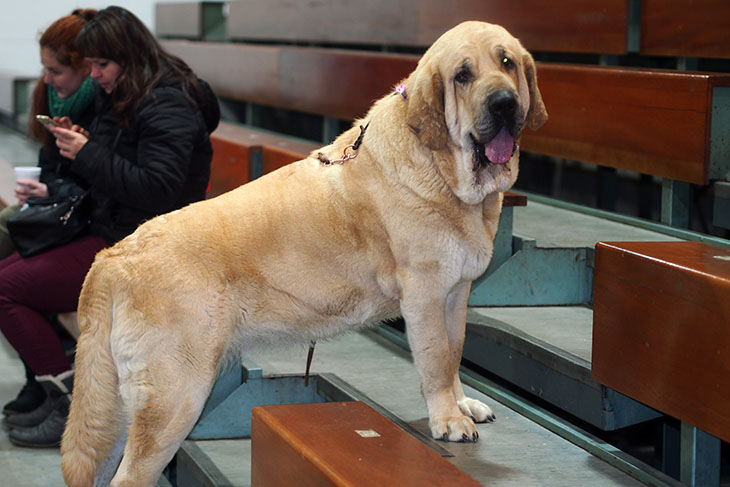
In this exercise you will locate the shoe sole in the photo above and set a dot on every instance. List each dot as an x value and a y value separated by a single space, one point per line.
33 445
13 426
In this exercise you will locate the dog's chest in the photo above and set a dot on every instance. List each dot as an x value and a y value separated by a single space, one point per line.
476 246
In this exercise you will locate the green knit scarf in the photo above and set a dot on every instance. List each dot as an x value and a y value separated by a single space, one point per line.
72 106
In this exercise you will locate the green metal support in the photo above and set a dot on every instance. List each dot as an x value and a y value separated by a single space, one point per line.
700 458
536 276
676 198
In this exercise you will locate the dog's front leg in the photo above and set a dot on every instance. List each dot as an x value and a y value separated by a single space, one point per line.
456 306
434 357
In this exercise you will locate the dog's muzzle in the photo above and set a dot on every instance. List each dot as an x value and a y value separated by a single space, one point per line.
496 143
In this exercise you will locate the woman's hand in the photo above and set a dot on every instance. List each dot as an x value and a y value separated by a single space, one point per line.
70 140
27 188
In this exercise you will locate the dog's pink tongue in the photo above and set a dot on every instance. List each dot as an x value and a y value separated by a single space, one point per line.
499 149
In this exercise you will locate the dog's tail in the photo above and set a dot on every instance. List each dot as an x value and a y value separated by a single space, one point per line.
92 426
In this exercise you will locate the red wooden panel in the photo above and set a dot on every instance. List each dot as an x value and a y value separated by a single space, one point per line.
591 26
230 166
235 71
654 122
691 28
514 199
275 157
319 445
338 83
661 325
598 26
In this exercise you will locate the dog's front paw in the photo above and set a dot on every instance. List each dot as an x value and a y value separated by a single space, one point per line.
477 410
454 428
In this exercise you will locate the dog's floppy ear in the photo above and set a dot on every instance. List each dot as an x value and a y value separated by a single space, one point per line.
425 115
536 114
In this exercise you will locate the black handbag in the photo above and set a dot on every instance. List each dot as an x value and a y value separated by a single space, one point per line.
44 223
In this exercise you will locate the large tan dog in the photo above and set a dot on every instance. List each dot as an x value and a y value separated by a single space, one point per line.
310 251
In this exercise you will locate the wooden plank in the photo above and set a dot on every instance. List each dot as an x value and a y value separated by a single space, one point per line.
661 325
338 83
598 26
230 167
191 20
233 147
648 121
328 82
184 19
577 26
341 444
688 28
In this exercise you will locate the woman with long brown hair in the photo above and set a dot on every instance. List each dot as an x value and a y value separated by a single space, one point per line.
65 92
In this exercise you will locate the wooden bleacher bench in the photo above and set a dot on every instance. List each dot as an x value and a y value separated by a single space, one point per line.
341 444
241 154
660 334
661 316
574 26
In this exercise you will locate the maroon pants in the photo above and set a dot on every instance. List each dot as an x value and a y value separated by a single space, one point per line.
32 289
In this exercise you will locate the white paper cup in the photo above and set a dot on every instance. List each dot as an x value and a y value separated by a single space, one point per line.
28 172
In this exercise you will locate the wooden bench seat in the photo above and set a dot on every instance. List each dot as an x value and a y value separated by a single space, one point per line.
693 28
241 154
341 444
660 329
660 332
575 25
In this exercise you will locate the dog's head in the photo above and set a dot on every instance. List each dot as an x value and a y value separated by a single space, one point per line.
469 98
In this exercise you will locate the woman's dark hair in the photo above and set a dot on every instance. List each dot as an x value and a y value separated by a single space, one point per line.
118 35
59 37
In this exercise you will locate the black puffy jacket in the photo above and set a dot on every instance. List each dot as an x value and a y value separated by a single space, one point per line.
158 164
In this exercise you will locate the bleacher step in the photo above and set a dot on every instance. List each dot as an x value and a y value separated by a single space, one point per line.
513 451
546 351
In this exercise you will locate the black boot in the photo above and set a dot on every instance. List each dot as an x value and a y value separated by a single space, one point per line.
31 396
48 433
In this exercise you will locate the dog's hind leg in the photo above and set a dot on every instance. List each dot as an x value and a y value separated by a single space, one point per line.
163 400
108 467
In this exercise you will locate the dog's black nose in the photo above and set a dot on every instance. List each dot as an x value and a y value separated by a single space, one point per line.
502 104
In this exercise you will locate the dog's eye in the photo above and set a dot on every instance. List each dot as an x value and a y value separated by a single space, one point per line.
507 63
463 76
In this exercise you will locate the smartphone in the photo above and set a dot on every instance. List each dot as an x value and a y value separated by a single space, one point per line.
47 121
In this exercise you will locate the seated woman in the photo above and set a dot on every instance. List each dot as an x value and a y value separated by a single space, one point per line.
65 92
146 152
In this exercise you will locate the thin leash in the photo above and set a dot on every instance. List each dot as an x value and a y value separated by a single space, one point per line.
346 156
